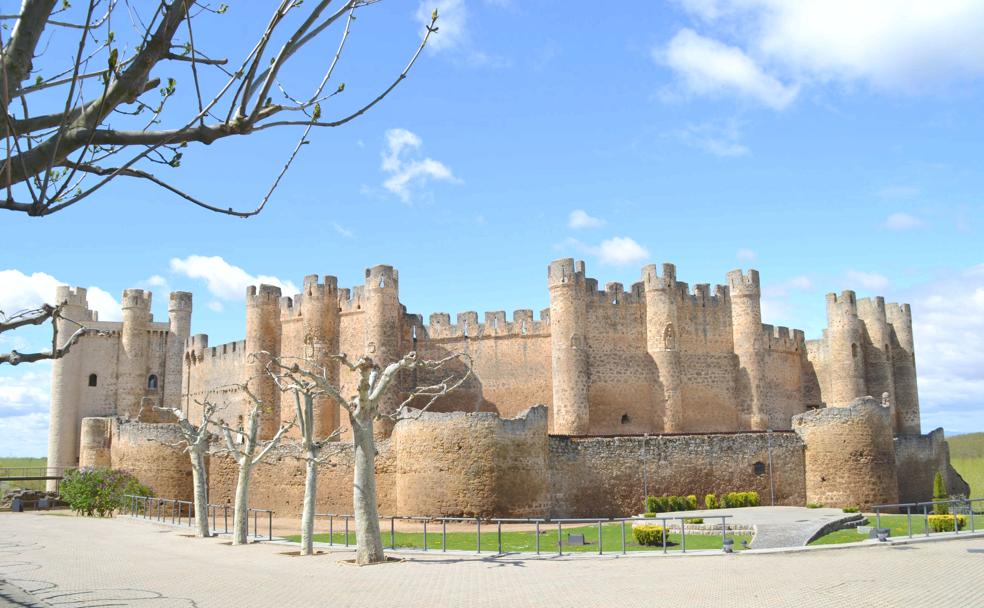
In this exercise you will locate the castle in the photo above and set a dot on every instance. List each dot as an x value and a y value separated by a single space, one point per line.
656 389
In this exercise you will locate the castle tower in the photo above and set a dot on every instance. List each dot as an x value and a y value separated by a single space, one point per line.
662 335
179 315
845 352
263 332
132 366
96 442
569 356
382 333
903 357
66 382
319 313
746 315
879 378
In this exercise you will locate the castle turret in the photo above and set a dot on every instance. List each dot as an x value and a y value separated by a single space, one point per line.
382 332
845 365
132 376
263 332
179 315
569 356
903 357
878 377
746 315
319 313
662 334
66 384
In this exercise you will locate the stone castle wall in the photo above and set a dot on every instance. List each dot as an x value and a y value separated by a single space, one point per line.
918 458
148 451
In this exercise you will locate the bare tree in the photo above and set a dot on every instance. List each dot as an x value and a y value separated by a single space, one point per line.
69 129
307 380
39 316
196 442
244 451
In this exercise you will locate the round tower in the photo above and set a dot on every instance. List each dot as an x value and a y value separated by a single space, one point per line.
662 335
263 332
96 442
66 382
850 455
319 314
382 333
903 358
879 378
179 315
746 323
845 365
132 366
569 354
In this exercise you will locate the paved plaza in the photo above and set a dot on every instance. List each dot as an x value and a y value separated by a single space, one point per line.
56 559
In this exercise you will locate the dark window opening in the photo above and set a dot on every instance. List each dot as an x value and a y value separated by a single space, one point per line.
626 419
152 382
93 380
854 350
759 468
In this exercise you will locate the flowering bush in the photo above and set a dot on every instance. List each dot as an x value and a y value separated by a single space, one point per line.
93 491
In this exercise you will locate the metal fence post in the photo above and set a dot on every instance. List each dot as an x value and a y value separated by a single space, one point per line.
478 534
926 519
499 534
683 535
270 524
560 549
444 535
331 529
623 536
599 538
346 530
908 518
878 517
425 535
538 537
724 532
392 533
970 503
666 532
225 517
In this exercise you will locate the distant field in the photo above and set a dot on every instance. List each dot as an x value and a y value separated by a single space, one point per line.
967 457
22 462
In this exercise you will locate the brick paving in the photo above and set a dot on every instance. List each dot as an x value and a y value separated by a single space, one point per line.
62 560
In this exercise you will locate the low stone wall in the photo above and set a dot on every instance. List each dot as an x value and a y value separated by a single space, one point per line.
610 476
146 451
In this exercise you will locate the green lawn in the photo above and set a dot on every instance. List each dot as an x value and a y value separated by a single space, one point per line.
22 462
967 457
897 523
513 542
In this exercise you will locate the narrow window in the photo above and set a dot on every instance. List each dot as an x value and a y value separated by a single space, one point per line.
854 350
626 419
93 380
759 468
152 382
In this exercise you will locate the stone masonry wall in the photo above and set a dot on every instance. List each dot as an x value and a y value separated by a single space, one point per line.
146 451
918 458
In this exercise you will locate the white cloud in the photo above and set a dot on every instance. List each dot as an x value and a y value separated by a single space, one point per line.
746 255
717 139
24 397
708 67
216 306
579 218
902 221
867 280
616 251
19 291
784 288
342 230
225 281
907 45
406 172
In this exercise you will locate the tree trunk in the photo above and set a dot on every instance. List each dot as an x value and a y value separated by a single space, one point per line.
240 521
310 493
368 544
200 481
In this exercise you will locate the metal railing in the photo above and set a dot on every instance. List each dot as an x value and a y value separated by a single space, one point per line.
955 507
174 511
538 526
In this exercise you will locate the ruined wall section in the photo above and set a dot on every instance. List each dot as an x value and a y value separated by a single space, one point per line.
850 455
610 476
918 458
146 451
96 443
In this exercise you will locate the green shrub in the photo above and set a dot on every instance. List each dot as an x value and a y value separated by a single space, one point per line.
814 505
753 499
851 509
666 504
710 502
649 536
650 514
939 493
944 523
680 503
99 491
692 503
694 520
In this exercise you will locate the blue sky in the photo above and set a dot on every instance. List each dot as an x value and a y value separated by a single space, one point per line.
831 145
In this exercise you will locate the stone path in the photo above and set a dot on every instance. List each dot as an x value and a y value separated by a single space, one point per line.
83 562
777 527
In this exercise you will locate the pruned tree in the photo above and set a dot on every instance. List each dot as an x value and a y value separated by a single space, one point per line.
244 446
108 111
196 444
60 345
308 380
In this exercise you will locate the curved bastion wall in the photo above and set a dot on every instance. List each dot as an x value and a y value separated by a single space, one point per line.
147 450
850 455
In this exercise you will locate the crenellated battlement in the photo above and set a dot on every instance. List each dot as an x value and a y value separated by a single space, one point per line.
352 300
179 301
614 293
651 278
137 298
382 277
782 339
73 296
566 272
742 284
495 325
899 313
846 303
265 295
